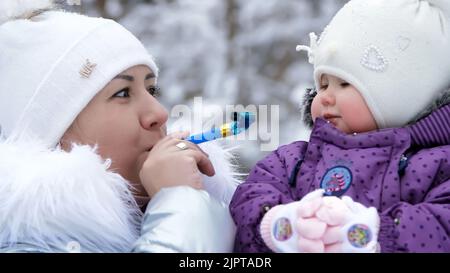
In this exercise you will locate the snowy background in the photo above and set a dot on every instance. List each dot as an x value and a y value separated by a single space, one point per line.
229 52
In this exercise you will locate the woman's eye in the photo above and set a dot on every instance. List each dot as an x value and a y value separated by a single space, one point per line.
154 91
124 93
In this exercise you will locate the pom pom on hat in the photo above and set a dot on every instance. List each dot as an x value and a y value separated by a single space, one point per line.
444 5
21 9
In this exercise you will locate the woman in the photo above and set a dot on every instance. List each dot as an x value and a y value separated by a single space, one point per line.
86 164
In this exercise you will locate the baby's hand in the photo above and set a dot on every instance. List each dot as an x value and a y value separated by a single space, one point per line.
321 224
314 225
351 227
293 227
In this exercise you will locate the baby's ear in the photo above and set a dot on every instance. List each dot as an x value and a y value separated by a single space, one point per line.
305 107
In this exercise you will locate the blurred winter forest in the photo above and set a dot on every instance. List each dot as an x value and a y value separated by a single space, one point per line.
229 52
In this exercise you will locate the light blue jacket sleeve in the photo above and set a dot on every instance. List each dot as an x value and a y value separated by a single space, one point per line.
183 219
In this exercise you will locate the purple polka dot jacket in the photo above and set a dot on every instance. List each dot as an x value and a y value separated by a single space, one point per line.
403 172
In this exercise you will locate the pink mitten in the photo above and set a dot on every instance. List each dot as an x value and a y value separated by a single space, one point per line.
293 227
321 224
314 220
351 227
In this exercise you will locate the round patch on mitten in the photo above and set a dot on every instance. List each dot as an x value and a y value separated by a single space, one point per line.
336 181
359 235
282 229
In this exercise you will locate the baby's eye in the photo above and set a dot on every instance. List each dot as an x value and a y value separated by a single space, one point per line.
154 91
345 84
124 93
323 86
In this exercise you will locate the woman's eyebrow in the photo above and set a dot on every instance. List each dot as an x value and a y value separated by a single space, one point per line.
131 78
124 77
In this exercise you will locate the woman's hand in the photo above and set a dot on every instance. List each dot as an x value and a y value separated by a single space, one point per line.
168 165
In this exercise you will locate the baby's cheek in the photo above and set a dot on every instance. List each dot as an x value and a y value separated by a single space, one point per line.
358 118
315 109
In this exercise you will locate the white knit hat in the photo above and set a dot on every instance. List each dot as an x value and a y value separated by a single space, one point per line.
53 64
395 52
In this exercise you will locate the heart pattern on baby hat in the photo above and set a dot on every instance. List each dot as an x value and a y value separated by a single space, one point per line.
374 60
403 43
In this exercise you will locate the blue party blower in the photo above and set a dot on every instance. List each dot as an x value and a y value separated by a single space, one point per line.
241 122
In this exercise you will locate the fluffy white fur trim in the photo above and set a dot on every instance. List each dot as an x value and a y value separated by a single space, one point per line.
223 184
54 200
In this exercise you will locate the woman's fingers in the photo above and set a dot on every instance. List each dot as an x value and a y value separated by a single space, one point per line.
201 158
193 146
179 135
172 162
173 143
176 138
172 140
204 164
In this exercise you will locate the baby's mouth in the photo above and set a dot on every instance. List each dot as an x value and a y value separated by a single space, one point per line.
331 118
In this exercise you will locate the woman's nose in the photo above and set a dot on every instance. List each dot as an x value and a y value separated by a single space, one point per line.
154 115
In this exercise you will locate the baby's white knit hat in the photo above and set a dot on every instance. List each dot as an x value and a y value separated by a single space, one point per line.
395 52
53 64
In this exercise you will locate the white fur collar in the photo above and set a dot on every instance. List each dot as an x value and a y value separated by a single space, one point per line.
50 199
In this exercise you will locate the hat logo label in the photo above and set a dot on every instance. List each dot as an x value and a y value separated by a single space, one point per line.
87 69
374 60
403 43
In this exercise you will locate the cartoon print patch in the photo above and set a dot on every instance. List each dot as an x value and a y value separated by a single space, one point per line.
282 229
336 181
359 235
